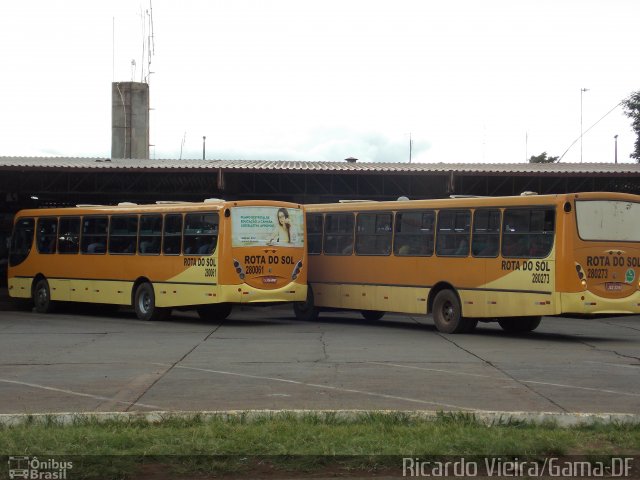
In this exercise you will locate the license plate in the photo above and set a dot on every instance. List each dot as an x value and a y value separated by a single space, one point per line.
613 287
269 279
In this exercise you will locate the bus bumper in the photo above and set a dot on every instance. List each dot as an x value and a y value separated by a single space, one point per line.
590 304
243 293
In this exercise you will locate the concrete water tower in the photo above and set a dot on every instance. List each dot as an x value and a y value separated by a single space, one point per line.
130 120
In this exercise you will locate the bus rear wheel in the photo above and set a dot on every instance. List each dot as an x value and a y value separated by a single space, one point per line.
145 304
42 297
372 315
519 324
306 311
214 311
447 314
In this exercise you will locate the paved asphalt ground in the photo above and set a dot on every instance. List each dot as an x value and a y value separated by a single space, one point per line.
262 358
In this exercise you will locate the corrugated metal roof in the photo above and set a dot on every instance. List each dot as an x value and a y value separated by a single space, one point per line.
82 163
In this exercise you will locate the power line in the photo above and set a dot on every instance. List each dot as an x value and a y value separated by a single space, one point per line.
582 133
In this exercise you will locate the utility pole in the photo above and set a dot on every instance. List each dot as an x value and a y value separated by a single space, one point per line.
582 90
204 142
616 148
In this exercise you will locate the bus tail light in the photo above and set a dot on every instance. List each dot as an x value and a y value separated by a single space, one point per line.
239 269
581 275
296 270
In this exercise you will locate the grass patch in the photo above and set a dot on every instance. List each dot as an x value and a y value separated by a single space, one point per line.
309 442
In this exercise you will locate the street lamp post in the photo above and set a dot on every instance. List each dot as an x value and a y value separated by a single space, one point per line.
615 155
204 140
582 90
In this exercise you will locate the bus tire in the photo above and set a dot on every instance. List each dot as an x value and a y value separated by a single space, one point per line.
447 314
214 311
42 297
520 324
372 315
306 311
145 304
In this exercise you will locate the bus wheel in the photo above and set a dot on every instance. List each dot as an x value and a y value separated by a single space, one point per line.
214 311
519 324
372 315
145 304
306 311
447 314
42 297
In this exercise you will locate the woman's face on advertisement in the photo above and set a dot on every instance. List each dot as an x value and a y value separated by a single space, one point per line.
281 218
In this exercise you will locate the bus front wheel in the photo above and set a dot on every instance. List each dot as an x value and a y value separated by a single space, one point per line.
42 297
145 304
447 314
306 311
214 311
519 324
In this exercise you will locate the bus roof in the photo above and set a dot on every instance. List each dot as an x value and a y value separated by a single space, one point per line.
160 206
470 202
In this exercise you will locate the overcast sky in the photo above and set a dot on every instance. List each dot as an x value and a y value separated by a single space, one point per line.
470 80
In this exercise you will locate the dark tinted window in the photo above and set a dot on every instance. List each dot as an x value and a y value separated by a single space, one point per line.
47 234
94 234
123 234
150 234
486 233
528 232
172 234
21 241
414 233
452 237
69 234
338 233
373 234
200 233
314 233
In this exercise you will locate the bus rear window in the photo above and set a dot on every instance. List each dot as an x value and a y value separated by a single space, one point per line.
608 220
21 241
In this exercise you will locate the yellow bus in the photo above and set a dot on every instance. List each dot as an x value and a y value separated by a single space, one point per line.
207 256
506 259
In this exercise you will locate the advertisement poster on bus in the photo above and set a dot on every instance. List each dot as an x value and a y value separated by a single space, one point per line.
267 226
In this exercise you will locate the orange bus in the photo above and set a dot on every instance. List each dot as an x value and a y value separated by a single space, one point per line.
506 259
207 255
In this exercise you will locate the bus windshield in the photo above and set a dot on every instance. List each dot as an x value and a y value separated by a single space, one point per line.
263 226
608 220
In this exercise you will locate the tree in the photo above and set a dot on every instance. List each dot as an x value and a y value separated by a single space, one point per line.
542 158
632 110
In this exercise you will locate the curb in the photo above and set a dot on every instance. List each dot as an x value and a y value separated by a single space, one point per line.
485 417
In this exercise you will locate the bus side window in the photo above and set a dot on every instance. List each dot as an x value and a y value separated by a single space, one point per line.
414 233
373 233
21 241
172 234
123 232
528 232
94 234
454 227
150 234
338 233
200 233
486 233
47 234
314 233
69 235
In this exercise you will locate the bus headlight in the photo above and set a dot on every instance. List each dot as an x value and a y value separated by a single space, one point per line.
239 269
296 270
